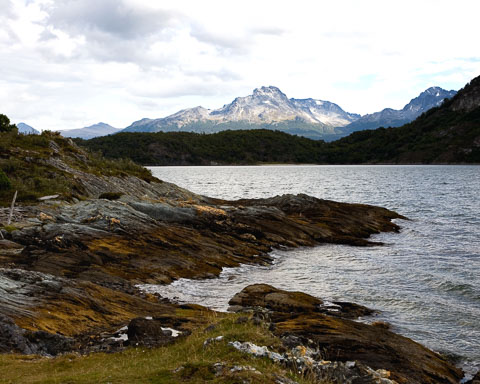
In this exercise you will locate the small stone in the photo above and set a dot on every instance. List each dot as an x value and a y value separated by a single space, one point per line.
381 324
50 197
350 364
241 320
212 340
218 368
210 328
257 321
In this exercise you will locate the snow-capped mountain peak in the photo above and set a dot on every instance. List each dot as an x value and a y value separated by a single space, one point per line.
267 105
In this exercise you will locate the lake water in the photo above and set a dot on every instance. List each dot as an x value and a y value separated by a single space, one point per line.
425 281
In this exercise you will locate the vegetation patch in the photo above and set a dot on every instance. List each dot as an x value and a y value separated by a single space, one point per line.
188 360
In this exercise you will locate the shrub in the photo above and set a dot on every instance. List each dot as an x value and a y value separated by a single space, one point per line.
5 183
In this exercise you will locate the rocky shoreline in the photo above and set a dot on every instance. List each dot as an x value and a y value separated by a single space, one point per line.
68 272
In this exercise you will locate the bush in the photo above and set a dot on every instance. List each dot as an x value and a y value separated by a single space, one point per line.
5 183
5 125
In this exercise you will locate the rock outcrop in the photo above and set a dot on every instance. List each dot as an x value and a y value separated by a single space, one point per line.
300 320
71 268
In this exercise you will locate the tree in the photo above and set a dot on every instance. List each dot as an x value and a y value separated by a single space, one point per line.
5 125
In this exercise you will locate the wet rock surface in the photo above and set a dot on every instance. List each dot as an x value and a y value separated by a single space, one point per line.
341 339
68 275
95 251
475 380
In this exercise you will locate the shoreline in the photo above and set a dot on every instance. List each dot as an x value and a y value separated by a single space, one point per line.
254 225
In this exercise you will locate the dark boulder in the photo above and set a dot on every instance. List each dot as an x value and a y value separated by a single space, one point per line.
142 331
278 300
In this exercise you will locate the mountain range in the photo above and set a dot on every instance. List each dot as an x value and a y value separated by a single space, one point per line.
270 108
267 107
448 133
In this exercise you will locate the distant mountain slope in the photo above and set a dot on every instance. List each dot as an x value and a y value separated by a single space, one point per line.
432 97
26 129
100 129
449 133
266 108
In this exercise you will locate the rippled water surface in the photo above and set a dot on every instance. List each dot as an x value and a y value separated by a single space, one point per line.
425 281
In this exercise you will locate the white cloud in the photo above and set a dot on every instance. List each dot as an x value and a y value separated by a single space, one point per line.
71 63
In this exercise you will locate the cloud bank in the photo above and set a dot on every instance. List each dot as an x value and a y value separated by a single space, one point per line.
72 63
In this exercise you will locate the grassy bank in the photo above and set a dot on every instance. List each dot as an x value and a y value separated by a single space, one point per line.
185 361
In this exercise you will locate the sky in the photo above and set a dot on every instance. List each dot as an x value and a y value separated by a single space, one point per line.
72 63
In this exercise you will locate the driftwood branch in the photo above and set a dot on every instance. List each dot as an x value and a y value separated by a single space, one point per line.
11 208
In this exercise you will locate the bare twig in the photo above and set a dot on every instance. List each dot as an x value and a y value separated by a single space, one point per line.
11 208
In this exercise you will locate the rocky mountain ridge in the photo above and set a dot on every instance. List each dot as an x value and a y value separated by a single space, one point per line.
388 117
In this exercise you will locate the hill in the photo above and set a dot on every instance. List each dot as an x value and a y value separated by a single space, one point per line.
95 130
49 164
226 147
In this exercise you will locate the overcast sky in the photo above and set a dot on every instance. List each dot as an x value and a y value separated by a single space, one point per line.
72 63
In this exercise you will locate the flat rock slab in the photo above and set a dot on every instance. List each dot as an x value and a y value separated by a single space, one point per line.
157 242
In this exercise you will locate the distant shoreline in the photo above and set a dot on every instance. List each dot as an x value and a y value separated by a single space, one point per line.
316 165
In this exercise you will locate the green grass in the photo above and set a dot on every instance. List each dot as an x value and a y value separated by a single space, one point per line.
184 361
